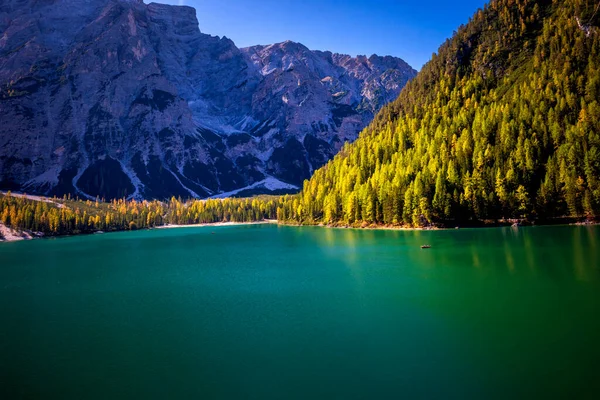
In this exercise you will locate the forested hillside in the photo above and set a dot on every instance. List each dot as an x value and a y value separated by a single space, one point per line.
503 122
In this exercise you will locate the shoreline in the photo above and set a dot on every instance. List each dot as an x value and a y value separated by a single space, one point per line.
515 223
366 228
204 225
8 234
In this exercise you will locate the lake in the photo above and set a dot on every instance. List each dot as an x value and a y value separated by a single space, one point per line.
274 312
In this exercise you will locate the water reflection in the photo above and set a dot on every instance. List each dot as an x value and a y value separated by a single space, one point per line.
591 233
510 261
481 307
537 252
530 252
585 253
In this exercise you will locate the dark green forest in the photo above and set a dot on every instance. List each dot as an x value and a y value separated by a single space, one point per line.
504 122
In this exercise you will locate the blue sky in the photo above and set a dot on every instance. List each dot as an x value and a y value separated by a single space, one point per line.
412 30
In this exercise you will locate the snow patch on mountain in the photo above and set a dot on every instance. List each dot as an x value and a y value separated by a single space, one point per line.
270 184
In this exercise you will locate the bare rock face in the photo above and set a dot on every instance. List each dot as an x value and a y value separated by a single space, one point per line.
116 98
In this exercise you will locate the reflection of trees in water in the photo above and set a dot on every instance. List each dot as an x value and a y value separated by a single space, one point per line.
585 253
533 252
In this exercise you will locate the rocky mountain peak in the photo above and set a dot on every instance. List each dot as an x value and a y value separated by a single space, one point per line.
117 98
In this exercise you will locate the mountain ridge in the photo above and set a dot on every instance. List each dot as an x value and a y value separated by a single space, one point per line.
123 98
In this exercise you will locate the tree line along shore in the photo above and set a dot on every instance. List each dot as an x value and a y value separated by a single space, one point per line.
23 216
71 216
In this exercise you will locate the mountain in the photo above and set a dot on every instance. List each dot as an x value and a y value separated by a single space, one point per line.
116 98
503 122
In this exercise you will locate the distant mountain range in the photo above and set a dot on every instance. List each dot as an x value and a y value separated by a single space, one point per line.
116 98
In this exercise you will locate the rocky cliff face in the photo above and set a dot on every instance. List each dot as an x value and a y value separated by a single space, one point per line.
117 98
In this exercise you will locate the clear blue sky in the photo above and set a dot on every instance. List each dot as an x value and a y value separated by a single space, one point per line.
412 30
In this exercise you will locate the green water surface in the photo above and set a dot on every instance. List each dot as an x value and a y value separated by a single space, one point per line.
268 312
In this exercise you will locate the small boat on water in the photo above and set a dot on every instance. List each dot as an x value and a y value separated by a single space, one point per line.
426 246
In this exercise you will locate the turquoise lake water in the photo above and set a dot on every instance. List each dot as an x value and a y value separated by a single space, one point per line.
269 312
